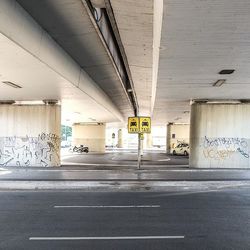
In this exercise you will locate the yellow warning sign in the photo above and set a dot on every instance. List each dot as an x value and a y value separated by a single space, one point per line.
133 125
139 125
145 125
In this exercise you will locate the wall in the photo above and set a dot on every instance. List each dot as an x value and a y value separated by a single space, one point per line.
30 135
91 135
220 136
181 132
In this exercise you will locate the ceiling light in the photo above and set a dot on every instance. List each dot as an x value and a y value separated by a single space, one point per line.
223 102
226 71
11 84
219 82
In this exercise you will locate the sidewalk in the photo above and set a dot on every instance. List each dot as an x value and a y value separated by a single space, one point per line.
153 178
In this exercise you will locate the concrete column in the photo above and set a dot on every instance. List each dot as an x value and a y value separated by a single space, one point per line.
220 136
176 133
91 135
120 139
149 141
30 135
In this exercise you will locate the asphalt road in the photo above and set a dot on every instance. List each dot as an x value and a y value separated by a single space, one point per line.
211 220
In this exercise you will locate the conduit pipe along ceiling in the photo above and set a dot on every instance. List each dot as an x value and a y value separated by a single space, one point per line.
105 20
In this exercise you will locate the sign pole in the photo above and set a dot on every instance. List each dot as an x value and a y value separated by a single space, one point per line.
139 125
139 151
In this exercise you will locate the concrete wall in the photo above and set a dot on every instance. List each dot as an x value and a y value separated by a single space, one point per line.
176 133
220 136
91 135
30 135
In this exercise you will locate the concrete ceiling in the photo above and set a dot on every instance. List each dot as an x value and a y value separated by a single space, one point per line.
199 38
135 23
69 24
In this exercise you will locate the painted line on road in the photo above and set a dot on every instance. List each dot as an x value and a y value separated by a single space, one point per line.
103 206
110 238
168 159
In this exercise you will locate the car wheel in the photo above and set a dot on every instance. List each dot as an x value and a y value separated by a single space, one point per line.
174 153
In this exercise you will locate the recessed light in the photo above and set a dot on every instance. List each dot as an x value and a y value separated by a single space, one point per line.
226 71
219 82
11 84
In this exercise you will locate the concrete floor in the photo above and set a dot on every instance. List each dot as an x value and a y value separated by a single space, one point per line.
208 220
123 157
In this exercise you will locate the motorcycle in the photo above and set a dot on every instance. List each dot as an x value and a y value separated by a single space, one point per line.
81 149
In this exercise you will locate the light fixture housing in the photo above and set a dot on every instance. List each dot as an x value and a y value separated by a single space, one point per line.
226 71
11 84
219 82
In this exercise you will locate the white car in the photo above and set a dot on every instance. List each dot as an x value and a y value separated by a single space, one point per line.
181 149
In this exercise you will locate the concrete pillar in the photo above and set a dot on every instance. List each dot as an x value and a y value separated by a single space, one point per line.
176 133
91 135
120 139
30 135
149 141
220 135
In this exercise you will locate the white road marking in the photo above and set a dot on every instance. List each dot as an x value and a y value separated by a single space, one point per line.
168 159
110 238
102 206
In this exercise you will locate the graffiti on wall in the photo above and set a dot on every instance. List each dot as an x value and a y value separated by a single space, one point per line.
40 151
224 148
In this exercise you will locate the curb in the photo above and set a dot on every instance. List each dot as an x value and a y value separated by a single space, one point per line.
114 186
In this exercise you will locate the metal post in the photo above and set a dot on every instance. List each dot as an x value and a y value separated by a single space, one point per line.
140 149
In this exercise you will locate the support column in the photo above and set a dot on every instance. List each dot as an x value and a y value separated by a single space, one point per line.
120 139
91 135
149 141
176 133
30 135
220 136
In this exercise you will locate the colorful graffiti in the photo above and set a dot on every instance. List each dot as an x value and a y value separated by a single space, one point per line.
40 151
224 148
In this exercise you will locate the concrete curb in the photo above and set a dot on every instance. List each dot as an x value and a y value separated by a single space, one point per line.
109 186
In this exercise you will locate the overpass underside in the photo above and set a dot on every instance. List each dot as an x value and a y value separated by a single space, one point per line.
93 63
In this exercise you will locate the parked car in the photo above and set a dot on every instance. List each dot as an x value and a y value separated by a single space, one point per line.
181 149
